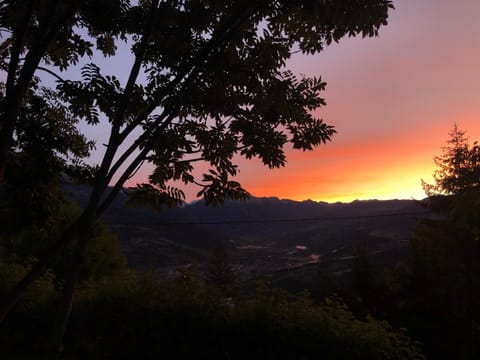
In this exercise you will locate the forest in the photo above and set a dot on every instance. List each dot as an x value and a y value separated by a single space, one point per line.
206 83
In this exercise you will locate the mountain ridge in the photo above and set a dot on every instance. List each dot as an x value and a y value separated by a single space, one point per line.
260 235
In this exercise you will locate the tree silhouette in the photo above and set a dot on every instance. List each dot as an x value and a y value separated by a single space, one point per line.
46 32
456 191
458 167
48 144
445 253
219 271
207 81
363 275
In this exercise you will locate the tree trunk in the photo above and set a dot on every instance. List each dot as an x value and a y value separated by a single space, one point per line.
55 345
6 141
17 85
11 101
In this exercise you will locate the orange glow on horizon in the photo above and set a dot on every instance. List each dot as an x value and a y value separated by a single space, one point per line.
382 169
393 100
395 184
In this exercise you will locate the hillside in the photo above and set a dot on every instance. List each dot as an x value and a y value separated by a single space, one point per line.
261 235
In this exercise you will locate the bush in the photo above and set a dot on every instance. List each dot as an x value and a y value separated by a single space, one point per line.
178 319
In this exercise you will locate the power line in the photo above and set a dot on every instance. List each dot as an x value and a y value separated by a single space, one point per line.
273 221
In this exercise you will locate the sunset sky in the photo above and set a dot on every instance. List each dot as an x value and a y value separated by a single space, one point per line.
393 100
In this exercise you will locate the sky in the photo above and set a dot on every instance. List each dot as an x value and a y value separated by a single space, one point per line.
393 100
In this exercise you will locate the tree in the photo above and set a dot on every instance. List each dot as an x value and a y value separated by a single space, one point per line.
458 167
219 271
38 32
47 145
363 275
207 81
445 253
456 190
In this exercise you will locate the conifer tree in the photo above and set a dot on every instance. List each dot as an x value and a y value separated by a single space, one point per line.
219 271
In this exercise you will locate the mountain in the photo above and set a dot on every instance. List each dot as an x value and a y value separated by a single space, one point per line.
268 234
261 235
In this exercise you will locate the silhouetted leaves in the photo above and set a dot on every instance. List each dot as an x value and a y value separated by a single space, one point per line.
207 81
218 189
156 198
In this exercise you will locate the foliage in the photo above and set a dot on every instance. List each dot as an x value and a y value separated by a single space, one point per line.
457 179
51 33
363 274
436 292
157 199
208 82
39 295
219 272
48 145
104 256
457 189
172 318
19 337
209 70
458 167
441 296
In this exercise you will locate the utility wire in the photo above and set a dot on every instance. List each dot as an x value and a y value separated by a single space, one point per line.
273 221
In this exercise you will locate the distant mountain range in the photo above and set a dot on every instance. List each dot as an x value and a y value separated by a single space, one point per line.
261 235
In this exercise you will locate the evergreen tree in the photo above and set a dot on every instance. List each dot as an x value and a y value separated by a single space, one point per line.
445 255
219 271
363 275
458 167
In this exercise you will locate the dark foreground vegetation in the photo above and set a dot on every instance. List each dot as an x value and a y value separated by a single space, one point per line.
207 314
119 317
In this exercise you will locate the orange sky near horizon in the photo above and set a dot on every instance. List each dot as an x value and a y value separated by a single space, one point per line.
389 168
393 100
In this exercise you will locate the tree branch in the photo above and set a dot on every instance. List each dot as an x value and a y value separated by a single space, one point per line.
184 78
119 184
16 49
135 70
136 144
46 33
104 174
187 74
55 75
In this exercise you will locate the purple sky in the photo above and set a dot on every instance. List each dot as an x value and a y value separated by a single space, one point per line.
393 100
